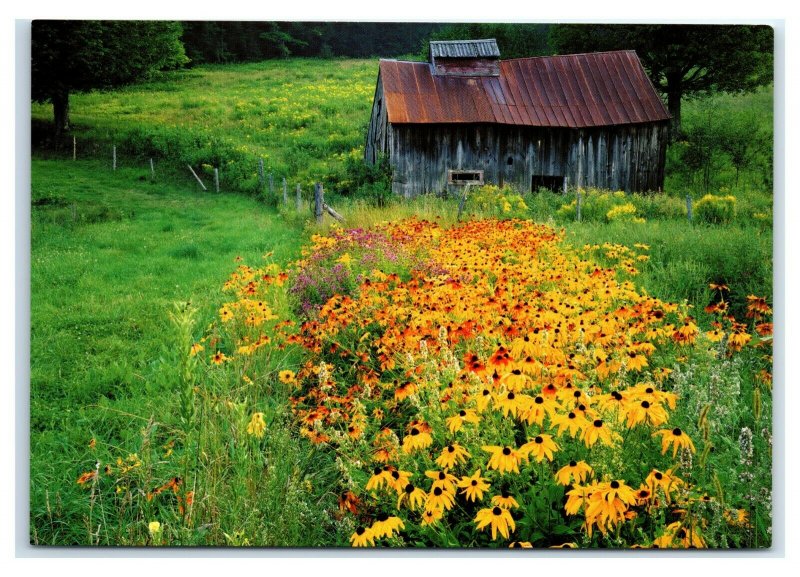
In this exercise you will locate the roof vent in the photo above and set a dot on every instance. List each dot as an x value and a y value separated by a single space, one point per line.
465 57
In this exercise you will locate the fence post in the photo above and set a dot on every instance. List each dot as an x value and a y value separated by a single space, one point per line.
152 170
689 207
285 194
298 199
216 179
578 206
200 182
114 157
463 201
566 178
318 201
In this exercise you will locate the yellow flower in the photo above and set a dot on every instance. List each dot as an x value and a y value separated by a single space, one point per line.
413 496
573 472
154 527
474 486
455 422
504 459
438 498
442 479
541 447
386 526
598 430
362 537
256 427
218 358
574 422
286 376
676 438
505 501
452 455
416 439
498 518
431 516
646 412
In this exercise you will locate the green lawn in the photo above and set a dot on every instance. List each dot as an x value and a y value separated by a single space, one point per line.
110 254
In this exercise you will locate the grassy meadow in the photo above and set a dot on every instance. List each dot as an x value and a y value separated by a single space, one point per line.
192 383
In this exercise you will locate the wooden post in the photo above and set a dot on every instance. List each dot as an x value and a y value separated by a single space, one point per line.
463 201
566 178
200 182
332 212
689 207
216 179
74 148
152 170
261 173
578 206
298 199
114 157
318 201
285 193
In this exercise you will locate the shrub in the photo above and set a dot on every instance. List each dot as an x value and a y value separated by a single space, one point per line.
716 209
492 200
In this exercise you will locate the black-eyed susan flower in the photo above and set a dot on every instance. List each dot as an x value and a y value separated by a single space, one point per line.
573 422
536 410
520 545
665 481
510 402
452 455
399 480
504 459
473 487
569 545
505 501
413 496
455 422
438 498
573 472
416 439
256 427
498 519
541 447
218 358
442 479
196 348
515 380
598 430
286 376
645 412
675 438
386 526
380 477
431 517
362 537
482 399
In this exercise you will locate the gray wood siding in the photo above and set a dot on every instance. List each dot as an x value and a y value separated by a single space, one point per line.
377 134
629 157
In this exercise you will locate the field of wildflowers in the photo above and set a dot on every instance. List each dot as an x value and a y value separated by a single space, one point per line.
486 385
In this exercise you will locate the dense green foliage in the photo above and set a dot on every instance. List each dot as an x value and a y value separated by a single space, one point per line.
514 40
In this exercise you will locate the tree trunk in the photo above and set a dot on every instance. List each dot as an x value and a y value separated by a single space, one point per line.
61 112
674 93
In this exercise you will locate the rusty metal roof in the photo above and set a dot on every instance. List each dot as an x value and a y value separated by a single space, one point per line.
571 91
465 48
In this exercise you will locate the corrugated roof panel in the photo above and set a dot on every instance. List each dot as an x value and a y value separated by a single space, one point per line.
572 91
486 48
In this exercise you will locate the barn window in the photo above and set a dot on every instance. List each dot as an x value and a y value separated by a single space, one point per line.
510 161
465 177
554 183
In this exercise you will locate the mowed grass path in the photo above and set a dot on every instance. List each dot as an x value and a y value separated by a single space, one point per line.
110 254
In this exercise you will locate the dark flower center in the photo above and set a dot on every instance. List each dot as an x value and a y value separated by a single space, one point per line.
645 405
677 432
485 392
442 476
511 396
573 464
377 471
462 413
571 415
437 491
409 488
351 428
415 431
360 531
382 517
506 451
395 475
517 372
644 494
538 440
538 400
598 423
497 511
451 448
615 484
617 396
474 482
516 545
649 390
581 407
577 394
658 476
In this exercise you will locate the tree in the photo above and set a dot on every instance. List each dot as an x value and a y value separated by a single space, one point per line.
76 55
682 60
514 40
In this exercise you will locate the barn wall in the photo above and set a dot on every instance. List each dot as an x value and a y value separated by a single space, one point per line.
629 158
377 134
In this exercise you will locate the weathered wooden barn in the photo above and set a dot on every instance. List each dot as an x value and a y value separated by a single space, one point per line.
468 117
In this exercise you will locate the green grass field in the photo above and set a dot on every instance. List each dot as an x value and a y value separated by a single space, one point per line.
112 252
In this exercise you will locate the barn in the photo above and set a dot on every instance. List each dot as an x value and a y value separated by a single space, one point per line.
586 120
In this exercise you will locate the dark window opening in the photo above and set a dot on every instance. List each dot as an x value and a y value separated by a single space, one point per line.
553 183
510 161
465 177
